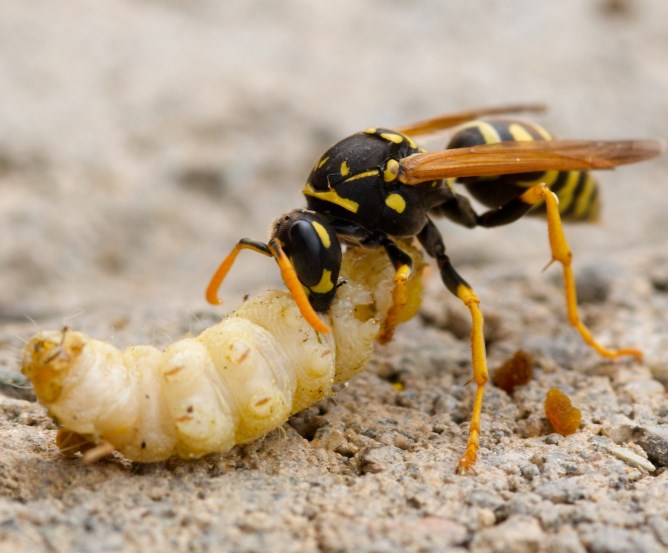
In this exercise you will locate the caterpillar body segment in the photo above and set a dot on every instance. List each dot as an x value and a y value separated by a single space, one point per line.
236 381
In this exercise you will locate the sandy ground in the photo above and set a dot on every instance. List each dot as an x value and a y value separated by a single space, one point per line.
139 139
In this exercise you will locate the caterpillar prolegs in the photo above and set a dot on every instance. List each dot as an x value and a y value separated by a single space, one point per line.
236 381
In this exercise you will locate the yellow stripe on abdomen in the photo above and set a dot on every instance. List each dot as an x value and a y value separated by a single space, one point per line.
565 193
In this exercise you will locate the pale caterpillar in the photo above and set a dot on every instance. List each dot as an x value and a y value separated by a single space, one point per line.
236 381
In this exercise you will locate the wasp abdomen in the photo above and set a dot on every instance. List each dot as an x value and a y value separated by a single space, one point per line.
577 190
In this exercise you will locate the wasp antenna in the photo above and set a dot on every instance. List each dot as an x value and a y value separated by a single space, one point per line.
294 285
220 274
218 277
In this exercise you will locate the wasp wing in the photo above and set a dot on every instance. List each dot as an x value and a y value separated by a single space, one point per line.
505 158
442 122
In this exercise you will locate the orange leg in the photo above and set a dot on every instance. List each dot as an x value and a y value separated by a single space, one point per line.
399 300
431 240
480 376
561 252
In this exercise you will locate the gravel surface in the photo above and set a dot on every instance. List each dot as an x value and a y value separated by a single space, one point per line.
139 139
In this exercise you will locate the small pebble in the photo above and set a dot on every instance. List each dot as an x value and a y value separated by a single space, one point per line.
654 440
630 458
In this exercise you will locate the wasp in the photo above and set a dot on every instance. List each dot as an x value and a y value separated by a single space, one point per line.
377 188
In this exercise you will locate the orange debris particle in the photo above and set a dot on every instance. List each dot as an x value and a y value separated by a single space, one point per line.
564 417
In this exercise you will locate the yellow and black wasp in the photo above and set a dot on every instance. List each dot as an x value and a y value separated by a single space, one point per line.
377 187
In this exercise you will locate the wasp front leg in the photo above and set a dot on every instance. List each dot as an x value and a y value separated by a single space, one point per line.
403 265
431 240
403 271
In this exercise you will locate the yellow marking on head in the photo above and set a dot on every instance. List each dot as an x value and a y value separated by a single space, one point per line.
322 162
371 130
392 137
363 175
391 170
332 197
345 170
396 203
325 284
519 132
322 234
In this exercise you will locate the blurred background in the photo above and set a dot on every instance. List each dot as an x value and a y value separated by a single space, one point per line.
139 139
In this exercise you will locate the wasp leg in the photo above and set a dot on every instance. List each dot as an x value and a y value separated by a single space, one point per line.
431 240
458 209
403 265
561 252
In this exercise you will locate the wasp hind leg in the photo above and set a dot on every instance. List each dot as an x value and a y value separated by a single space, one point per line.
561 252
431 240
